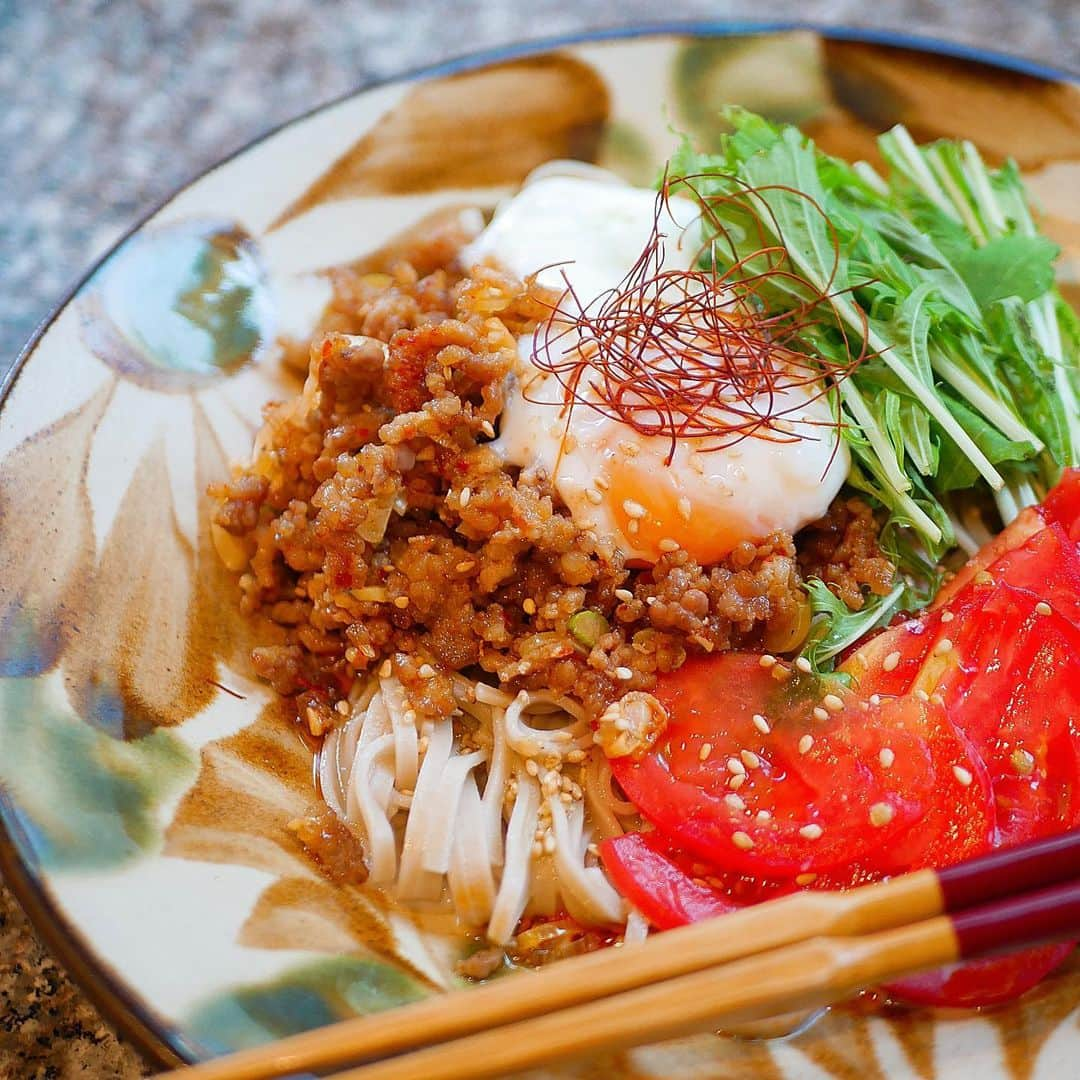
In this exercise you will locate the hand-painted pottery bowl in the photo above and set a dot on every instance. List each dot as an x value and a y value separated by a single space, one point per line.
146 777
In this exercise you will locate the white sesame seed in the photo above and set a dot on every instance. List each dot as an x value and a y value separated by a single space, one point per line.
625 595
881 814
947 617
761 723
763 815
890 662
601 482
886 757
820 713
465 566
750 759
342 708
633 509
805 879
426 671
921 694
832 703
767 661
742 840
667 544
705 751
734 801
488 429
401 602
385 668
594 496
875 699
963 775
983 577
805 743
1023 761
737 782
943 646
1043 608
632 526
684 508
803 665
735 766
623 673
529 606
531 767
811 832
466 495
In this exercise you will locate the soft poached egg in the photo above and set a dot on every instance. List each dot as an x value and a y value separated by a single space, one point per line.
585 231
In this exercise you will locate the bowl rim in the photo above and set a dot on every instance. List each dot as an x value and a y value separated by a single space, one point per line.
119 1003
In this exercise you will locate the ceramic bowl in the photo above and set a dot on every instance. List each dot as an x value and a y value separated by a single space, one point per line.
146 777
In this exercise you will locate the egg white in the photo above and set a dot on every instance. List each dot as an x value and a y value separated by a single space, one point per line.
585 232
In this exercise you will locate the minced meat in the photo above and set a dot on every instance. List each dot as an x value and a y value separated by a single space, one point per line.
378 528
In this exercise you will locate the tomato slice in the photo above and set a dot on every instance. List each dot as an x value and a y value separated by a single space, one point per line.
888 662
1062 504
669 888
1046 564
803 805
975 706
1015 693
1026 525
980 983
1060 508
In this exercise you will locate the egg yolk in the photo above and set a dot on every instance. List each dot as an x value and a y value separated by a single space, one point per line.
649 509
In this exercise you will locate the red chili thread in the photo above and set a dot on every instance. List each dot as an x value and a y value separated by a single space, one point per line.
699 354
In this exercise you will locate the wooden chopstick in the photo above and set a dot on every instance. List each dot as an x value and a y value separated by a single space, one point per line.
797 977
804 976
669 959
569 982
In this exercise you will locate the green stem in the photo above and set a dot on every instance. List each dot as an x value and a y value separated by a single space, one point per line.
879 442
986 403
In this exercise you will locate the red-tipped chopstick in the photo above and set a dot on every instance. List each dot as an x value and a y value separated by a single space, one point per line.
798 952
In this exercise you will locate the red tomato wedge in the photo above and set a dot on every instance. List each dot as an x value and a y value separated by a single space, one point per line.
980 983
866 772
1026 525
1060 508
669 889
1046 564
1015 692
1062 504
961 733
888 662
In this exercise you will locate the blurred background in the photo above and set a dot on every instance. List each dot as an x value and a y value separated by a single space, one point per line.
105 107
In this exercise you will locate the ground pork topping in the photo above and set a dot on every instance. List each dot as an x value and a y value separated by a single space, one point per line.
379 529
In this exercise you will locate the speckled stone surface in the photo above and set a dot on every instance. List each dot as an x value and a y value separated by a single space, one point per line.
107 107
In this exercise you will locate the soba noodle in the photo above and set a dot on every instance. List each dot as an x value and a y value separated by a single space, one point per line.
497 806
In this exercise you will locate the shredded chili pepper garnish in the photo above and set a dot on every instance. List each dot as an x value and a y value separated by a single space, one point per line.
698 354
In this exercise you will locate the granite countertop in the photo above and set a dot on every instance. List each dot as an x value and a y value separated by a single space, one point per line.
106 107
